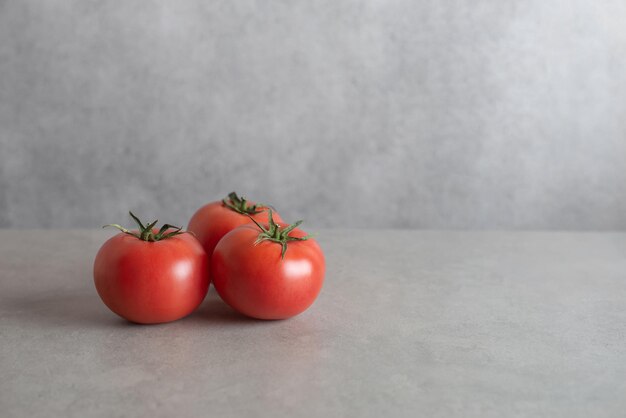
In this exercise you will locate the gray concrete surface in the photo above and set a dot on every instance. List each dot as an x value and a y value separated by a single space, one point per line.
462 114
436 324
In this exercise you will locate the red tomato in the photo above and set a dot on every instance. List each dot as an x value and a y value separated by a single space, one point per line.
149 278
214 220
252 277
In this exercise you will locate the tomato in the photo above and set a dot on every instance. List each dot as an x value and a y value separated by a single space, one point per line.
151 276
271 271
214 220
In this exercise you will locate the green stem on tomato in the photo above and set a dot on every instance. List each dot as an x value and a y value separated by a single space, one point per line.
276 233
241 205
146 232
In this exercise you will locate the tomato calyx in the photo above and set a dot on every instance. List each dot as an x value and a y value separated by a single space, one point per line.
276 233
241 205
146 232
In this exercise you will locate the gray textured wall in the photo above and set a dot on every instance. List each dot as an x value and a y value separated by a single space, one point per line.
440 114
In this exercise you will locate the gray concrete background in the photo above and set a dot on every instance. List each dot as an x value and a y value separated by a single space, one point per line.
430 114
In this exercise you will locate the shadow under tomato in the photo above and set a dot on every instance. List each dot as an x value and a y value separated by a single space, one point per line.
214 310
85 309
60 310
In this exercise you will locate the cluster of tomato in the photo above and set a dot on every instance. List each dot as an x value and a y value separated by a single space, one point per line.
260 266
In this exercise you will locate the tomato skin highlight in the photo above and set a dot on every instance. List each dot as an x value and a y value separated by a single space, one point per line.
214 220
151 282
255 281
